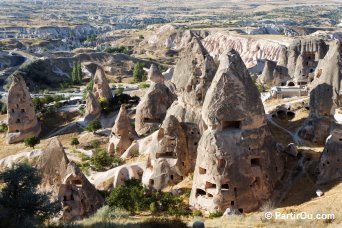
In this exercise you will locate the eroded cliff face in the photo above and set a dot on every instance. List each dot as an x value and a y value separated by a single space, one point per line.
250 49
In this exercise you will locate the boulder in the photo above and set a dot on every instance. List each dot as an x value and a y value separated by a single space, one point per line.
21 117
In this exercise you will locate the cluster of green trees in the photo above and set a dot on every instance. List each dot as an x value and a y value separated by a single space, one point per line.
3 108
117 50
76 74
134 198
39 102
139 75
21 204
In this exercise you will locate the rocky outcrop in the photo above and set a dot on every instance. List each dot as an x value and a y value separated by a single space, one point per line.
330 161
93 108
250 49
122 135
303 56
79 197
101 87
21 117
152 108
267 77
52 166
237 162
154 74
192 78
325 96
173 154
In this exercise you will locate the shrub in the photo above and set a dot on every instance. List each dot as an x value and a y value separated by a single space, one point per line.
93 126
31 141
21 200
3 128
115 50
74 142
215 214
94 144
102 161
3 108
197 213
119 90
104 103
144 85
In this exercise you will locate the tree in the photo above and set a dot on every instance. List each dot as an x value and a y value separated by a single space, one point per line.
93 126
31 141
79 75
74 73
102 161
21 200
139 74
74 142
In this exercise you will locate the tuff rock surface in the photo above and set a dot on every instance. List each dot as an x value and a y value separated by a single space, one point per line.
101 87
93 108
21 117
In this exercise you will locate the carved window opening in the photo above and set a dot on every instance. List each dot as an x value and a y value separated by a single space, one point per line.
12 110
18 121
225 187
171 177
151 182
23 110
200 192
241 210
202 170
228 125
210 185
255 162
232 203
210 195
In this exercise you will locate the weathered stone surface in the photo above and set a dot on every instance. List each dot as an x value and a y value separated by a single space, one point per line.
192 78
128 172
21 116
154 74
79 197
152 108
330 161
173 155
52 166
122 135
267 77
237 162
93 108
325 96
101 87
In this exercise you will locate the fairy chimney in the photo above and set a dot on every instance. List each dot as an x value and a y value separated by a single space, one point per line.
154 74
237 162
122 135
21 117
93 108
101 87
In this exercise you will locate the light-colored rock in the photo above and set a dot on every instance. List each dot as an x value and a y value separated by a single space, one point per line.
93 108
122 134
21 117
319 193
154 74
237 162
173 154
79 197
101 87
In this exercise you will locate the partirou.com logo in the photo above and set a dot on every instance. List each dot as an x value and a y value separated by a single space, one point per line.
298 216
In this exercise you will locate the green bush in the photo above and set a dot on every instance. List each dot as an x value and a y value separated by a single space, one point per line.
3 108
31 141
215 214
115 50
74 142
139 74
119 90
93 126
197 213
102 161
3 128
144 85
104 103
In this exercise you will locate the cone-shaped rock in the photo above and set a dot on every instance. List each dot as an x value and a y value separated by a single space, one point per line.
152 108
93 108
192 77
237 162
154 74
21 117
122 134
79 197
101 87
173 155
267 77
52 166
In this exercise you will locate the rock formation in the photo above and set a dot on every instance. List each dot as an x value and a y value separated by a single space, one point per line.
173 154
237 162
152 108
122 134
192 77
154 74
93 108
267 77
52 166
101 87
330 161
79 197
325 96
21 117
303 56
